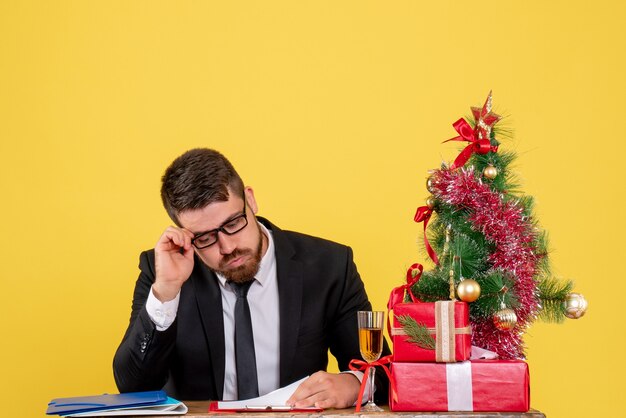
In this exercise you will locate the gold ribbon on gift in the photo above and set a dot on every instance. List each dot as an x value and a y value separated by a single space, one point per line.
445 332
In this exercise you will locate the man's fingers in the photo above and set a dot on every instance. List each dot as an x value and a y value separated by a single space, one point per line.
318 390
326 403
327 390
304 391
180 238
310 400
188 236
305 403
322 399
188 253
173 260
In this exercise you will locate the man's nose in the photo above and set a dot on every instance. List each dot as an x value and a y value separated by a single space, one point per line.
226 243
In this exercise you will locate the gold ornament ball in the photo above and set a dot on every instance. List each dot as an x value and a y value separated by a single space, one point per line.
430 202
468 290
430 183
575 305
490 172
505 319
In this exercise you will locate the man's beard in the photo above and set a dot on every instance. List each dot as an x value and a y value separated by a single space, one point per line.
245 272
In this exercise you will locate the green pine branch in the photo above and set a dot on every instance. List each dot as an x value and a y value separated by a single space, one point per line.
471 255
505 182
496 287
432 286
552 294
543 261
417 333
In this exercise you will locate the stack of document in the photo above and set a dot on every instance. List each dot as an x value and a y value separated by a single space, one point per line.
135 403
275 401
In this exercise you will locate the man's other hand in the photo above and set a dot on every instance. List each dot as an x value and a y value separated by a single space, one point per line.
326 390
173 255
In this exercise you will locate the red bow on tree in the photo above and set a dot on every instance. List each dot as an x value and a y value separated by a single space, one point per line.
479 138
423 214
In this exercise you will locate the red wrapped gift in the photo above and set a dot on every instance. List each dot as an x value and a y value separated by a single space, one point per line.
480 385
446 321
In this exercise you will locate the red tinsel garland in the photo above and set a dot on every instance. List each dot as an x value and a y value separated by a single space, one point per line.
503 223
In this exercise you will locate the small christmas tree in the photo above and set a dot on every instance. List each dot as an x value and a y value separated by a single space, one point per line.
486 245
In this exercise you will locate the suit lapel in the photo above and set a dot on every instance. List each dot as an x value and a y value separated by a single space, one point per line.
209 301
289 276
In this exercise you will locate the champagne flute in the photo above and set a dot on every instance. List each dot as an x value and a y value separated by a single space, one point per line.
371 345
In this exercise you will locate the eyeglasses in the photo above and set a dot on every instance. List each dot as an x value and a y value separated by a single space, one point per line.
230 227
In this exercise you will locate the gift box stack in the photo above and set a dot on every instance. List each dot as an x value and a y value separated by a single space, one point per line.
431 367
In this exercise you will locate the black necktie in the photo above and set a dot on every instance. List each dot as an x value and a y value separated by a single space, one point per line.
245 359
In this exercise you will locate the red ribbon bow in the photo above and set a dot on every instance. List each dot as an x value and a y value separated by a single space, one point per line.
413 275
478 146
360 365
423 214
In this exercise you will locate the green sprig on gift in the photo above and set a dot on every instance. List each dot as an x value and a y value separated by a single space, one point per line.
416 332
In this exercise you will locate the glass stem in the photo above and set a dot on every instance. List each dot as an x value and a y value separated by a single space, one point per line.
372 373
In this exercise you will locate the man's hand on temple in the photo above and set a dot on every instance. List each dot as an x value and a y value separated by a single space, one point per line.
326 390
173 255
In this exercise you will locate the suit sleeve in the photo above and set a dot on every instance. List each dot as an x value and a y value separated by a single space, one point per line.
141 361
344 336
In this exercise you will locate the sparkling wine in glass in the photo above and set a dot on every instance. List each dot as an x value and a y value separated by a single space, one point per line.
371 345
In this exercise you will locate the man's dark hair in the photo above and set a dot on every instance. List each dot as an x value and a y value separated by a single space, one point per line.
198 177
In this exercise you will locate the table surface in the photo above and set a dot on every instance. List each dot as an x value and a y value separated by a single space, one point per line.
200 409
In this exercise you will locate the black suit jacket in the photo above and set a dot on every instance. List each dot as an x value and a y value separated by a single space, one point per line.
320 292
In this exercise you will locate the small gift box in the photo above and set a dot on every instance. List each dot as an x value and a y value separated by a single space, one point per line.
478 385
428 332
446 322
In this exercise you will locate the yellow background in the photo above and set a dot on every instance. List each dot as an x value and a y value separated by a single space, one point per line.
333 111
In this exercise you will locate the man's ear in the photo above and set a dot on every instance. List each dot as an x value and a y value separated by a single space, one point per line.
249 194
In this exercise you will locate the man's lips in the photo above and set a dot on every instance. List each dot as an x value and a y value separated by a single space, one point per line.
236 262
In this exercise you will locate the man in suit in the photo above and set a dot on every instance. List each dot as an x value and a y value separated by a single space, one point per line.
229 306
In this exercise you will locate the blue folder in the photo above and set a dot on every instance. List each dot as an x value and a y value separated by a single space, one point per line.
67 406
